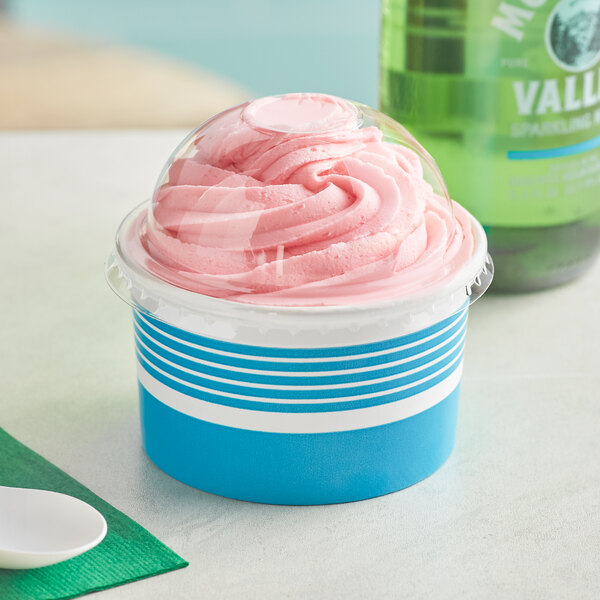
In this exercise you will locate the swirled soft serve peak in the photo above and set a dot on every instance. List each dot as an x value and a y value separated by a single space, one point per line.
301 200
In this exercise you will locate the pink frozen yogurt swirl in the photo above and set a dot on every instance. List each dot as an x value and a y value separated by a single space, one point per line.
285 201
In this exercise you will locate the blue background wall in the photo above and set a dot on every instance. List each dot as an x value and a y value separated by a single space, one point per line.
268 46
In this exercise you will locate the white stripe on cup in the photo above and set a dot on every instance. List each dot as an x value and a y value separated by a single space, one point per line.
439 333
318 400
268 386
313 422
460 332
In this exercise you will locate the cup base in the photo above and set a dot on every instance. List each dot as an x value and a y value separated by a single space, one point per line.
298 469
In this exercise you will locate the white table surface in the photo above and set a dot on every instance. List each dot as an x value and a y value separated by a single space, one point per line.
514 513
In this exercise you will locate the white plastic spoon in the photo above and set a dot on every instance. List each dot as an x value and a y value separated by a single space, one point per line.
40 528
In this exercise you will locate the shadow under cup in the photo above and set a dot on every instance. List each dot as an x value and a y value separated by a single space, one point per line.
311 405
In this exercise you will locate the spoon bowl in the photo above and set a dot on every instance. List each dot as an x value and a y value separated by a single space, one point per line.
40 528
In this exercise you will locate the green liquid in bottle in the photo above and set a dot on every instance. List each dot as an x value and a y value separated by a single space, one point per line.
506 97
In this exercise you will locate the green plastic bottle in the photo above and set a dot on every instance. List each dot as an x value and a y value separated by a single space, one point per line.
506 97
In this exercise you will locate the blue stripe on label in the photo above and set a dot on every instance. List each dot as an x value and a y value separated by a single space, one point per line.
280 468
266 351
459 321
270 406
307 378
555 152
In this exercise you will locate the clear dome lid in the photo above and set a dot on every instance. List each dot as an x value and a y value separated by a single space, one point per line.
301 200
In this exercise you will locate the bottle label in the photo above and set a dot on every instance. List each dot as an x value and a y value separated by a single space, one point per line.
505 94
549 118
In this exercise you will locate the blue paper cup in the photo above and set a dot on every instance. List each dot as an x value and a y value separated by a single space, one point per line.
311 405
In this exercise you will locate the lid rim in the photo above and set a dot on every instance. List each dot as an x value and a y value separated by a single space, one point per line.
466 278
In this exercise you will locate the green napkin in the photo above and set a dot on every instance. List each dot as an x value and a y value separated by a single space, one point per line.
127 553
